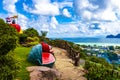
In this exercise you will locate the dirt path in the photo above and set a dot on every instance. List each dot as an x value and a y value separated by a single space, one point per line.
65 65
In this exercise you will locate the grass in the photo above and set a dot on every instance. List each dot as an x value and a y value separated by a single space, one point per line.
21 54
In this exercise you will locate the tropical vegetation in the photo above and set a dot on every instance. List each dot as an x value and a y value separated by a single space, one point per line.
8 42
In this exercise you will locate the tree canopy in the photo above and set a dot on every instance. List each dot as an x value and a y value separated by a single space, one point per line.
43 33
31 32
8 37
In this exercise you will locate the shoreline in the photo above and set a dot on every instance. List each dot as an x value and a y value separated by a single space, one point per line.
98 44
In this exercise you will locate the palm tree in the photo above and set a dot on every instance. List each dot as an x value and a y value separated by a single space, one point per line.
43 35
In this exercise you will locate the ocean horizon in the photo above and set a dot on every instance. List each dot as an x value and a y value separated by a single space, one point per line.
95 41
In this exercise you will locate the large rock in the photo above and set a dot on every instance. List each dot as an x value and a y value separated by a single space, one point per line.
43 73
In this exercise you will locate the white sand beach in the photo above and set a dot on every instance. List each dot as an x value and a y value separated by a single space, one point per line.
99 44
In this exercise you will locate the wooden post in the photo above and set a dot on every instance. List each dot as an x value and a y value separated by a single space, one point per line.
65 45
77 58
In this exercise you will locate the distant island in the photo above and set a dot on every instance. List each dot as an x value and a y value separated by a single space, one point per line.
113 36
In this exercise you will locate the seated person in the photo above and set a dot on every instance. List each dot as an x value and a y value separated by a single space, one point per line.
46 47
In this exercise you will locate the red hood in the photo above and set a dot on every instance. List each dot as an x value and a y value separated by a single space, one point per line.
45 47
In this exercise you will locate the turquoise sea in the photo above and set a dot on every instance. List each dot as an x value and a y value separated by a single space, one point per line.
95 41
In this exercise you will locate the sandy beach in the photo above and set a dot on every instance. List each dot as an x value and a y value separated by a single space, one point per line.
99 44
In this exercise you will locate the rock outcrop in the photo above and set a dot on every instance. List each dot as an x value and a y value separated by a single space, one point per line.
43 73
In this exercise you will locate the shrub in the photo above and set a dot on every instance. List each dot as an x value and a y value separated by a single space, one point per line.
33 43
101 61
30 39
36 39
31 32
8 38
112 56
8 42
98 71
22 38
8 67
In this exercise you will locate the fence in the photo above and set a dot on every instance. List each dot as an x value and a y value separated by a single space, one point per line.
72 53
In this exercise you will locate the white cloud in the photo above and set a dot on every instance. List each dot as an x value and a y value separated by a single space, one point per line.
3 16
45 27
87 15
65 30
54 23
83 4
43 7
63 4
105 29
72 28
9 5
25 7
81 29
102 11
66 13
68 28
108 15
116 3
23 21
110 27
41 24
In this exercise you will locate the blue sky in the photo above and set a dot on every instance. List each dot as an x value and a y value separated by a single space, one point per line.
66 18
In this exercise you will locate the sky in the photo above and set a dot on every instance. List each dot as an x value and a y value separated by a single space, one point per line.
66 18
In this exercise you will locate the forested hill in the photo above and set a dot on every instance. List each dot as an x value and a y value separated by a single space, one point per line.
113 36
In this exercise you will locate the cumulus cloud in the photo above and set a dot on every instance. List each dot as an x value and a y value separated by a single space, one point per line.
104 10
115 3
3 16
110 27
64 4
9 5
45 27
108 15
54 23
64 30
43 7
23 21
66 13
68 28
104 29
44 23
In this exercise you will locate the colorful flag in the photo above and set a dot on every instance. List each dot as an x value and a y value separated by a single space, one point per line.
8 19
15 16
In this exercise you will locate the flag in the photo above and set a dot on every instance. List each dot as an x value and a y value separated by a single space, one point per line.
15 16
8 19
